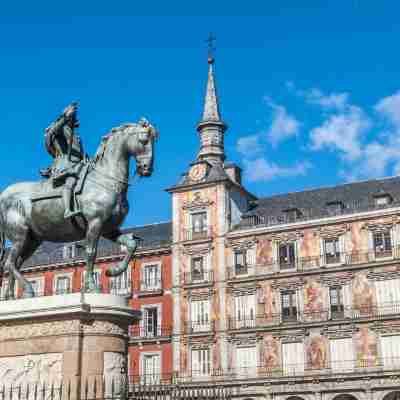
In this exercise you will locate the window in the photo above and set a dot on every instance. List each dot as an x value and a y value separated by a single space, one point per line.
383 200
197 269
201 362
342 357
37 285
293 358
292 215
289 305
388 296
245 311
4 288
332 251
287 256
151 277
240 262
69 251
335 207
63 285
151 371
199 225
390 351
121 285
382 244
151 322
200 315
246 361
96 276
336 302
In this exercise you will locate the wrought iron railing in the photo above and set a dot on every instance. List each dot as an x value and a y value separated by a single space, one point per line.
307 263
385 310
205 326
143 332
151 285
192 278
290 370
205 232
107 286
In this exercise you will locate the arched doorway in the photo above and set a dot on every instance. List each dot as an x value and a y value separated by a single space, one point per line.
392 396
294 398
345 396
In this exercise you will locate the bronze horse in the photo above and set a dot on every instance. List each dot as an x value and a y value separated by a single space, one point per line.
33 212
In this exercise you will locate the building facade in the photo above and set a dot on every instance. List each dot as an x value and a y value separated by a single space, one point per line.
292 297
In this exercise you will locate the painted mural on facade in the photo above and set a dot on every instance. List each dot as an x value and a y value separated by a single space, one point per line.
264 253
366 348
266 298
363 294
314 295
270 356
317 352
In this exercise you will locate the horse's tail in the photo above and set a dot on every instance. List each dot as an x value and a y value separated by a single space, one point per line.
120 268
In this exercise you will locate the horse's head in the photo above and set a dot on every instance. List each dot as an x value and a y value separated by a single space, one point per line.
140 144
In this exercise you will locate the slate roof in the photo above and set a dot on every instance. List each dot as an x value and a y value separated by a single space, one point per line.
153 236
315 203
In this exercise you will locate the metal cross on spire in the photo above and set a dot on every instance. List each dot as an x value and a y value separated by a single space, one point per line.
211 48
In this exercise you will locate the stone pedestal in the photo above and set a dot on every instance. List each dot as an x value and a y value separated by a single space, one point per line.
69 338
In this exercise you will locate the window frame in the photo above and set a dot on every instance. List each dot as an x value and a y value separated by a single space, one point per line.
68 275
293 305
290 266
144 376
158 285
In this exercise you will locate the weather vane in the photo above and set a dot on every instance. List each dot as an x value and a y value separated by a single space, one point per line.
211 48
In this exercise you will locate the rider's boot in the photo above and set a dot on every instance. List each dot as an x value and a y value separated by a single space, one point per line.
67 196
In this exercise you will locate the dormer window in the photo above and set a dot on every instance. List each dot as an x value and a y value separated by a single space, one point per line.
292 214
69 250
335 207
383 200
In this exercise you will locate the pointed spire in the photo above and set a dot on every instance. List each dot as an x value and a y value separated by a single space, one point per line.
211 103
211 127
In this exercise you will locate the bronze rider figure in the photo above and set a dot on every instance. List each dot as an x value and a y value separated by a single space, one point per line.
65 146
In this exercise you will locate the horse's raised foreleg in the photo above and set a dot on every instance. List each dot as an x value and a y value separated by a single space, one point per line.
92 239
131 244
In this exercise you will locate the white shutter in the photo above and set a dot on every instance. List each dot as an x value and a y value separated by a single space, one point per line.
322 252
342 357
390 351
371 251
300 303
342 248
388 296
251 256
293 358
246 361
347 300
195 362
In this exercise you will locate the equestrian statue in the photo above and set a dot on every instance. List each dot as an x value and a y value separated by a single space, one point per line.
81 198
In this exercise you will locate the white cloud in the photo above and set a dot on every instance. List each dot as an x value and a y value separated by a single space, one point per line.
249 146
315 96
389 107
262 170
343 132
283 125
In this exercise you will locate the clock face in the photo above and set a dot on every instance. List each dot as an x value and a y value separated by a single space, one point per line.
197 172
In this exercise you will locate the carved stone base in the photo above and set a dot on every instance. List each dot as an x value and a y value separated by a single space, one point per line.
64 338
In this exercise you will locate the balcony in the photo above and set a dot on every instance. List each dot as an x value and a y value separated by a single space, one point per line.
150 287
198 278
301 371
149 334
301 264
383 311
204 327
204 233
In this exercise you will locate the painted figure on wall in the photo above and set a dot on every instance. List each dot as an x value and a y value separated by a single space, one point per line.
316 353
313 301
267 299
366 348
271 352
264 253
363 294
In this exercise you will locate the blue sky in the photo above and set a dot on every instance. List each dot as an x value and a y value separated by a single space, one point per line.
310 90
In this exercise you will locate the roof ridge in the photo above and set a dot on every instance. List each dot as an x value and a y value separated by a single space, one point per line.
329 187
